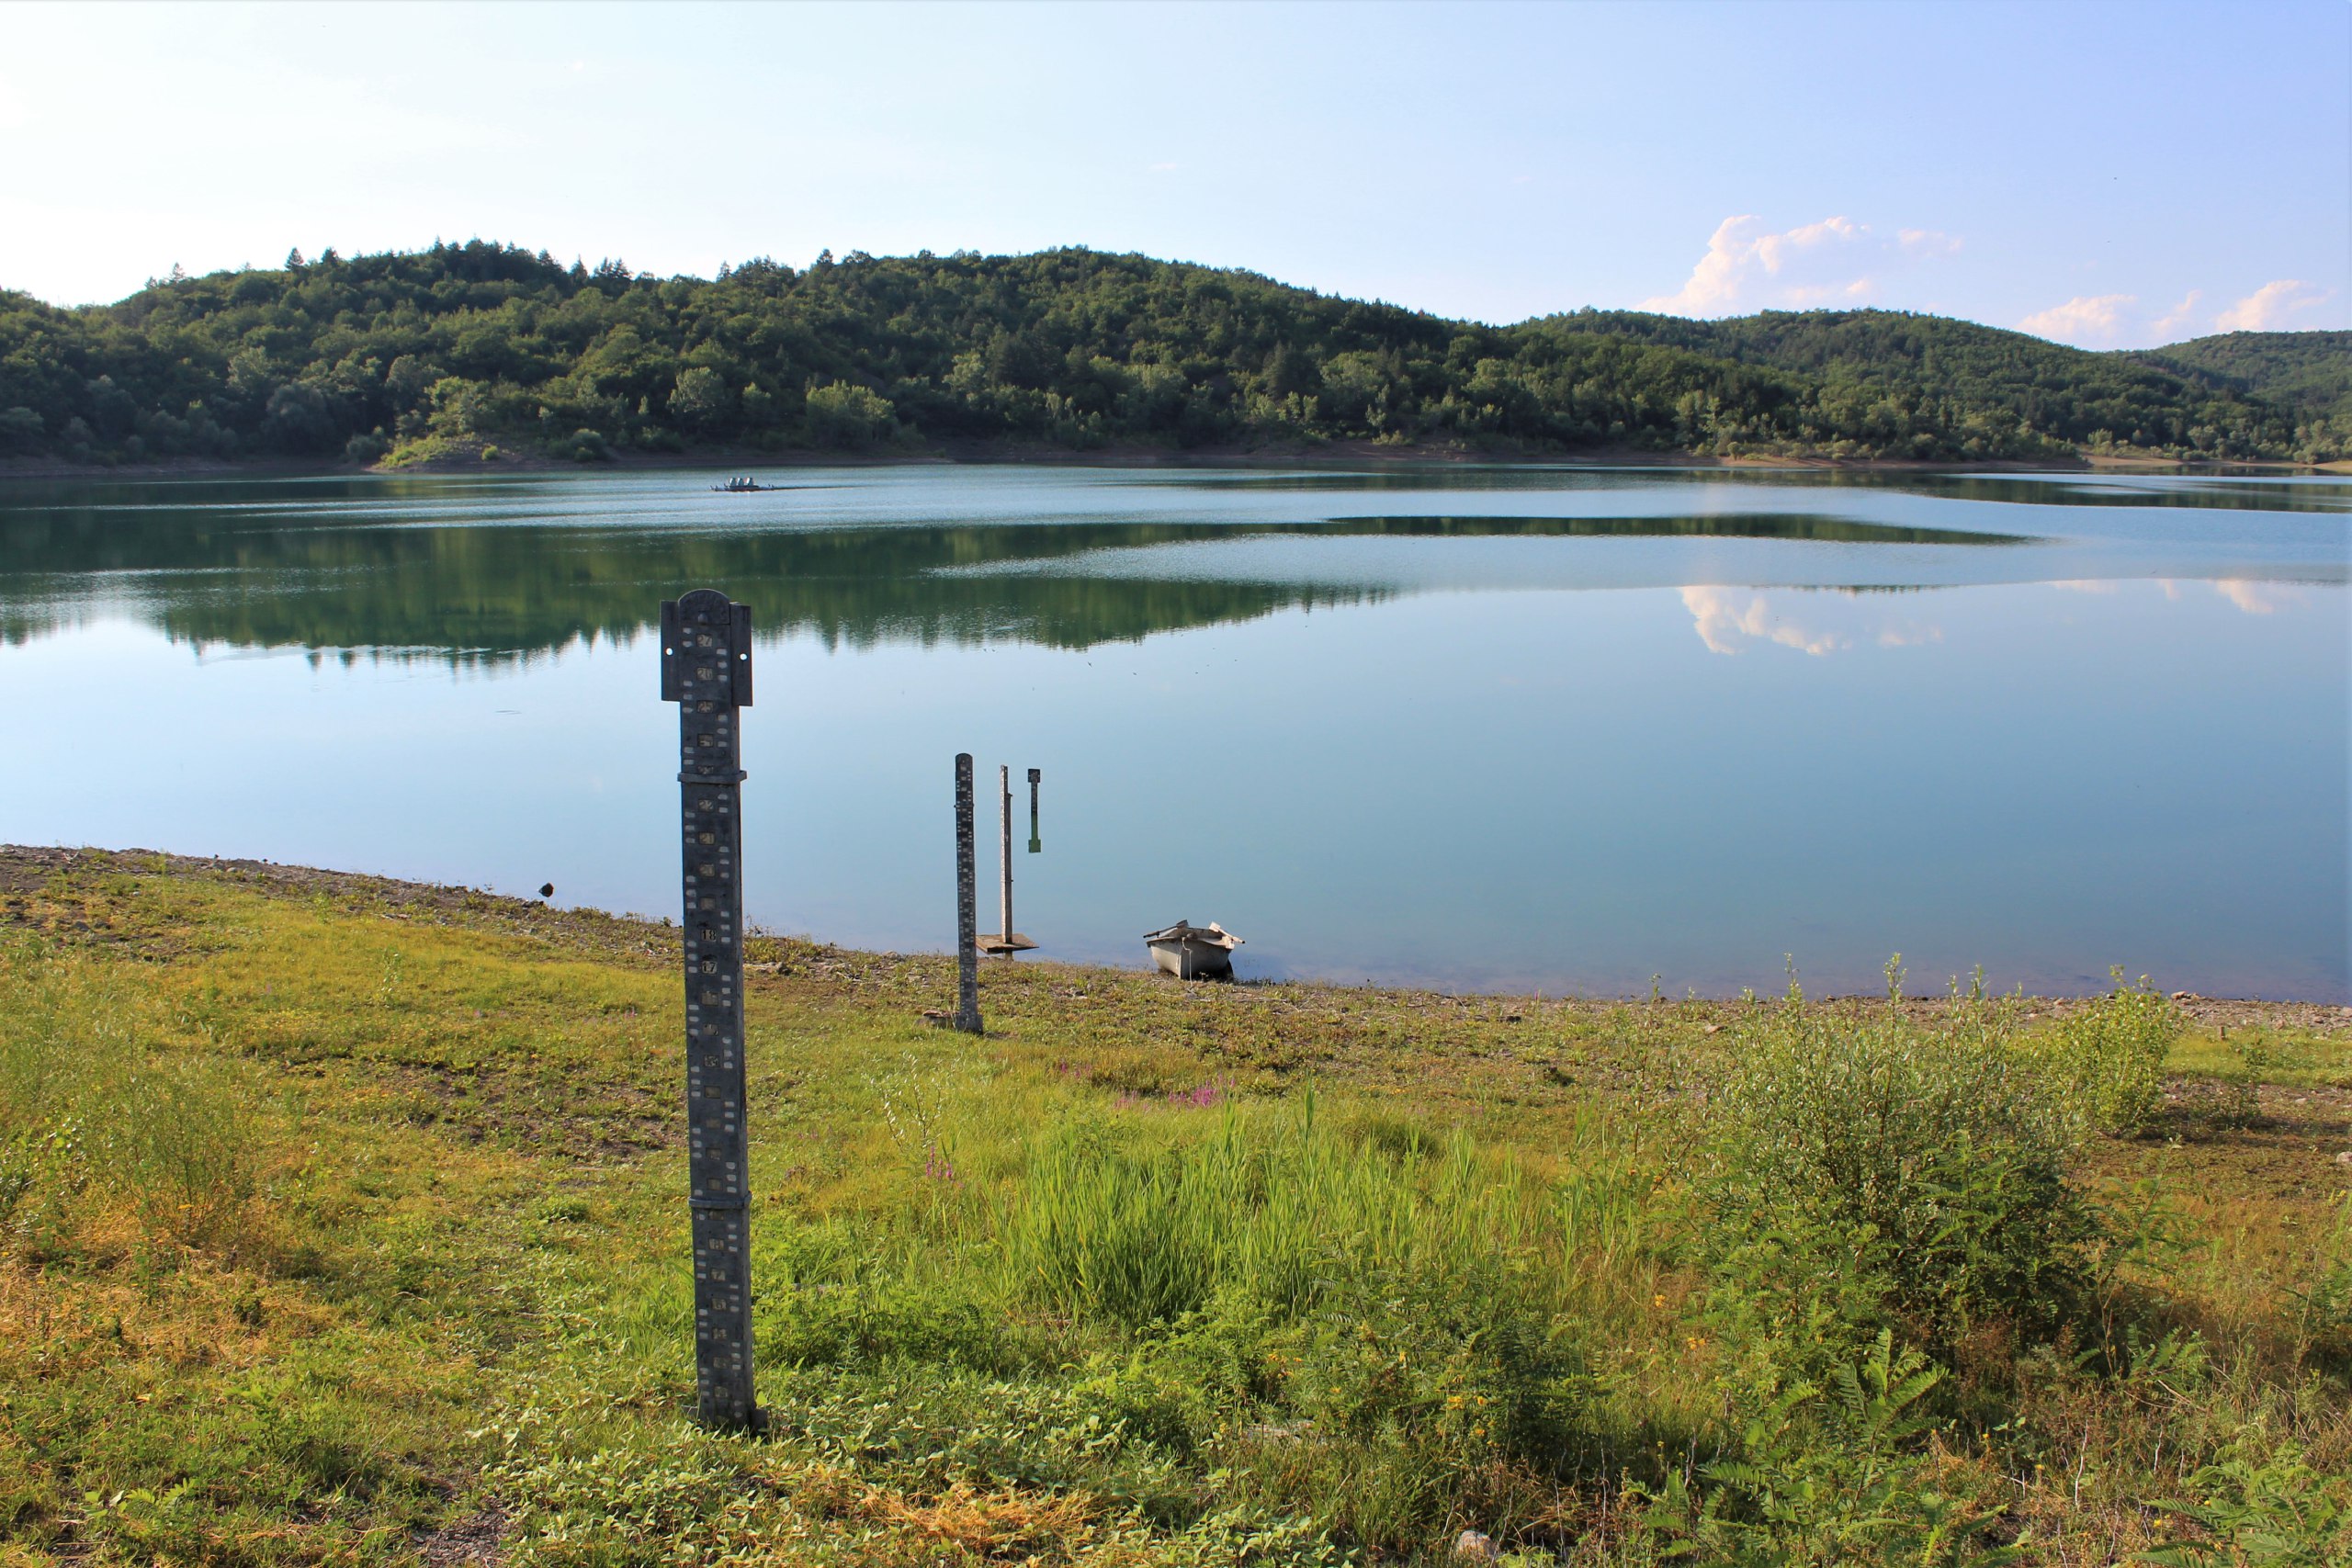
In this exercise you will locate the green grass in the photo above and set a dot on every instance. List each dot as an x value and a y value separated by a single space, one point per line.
340 1221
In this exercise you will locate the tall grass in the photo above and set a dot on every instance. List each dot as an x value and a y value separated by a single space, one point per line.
1350 1314
1276 1207
96 1124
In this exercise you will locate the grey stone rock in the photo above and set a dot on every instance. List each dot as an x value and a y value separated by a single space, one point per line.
1472 1547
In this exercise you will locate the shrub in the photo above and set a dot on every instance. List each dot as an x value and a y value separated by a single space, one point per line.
1869 1172
2104 1060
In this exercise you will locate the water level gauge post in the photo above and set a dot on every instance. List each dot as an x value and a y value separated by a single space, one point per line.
967 963
706 671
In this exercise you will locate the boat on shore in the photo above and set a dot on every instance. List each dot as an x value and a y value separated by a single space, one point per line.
1190 951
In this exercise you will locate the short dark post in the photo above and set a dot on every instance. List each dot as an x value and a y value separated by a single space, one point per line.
706 671
1035 844
967 893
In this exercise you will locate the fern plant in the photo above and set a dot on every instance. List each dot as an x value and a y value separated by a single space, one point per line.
1832 1475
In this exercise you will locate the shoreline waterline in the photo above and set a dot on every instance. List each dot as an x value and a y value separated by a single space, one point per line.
1352 455
22 864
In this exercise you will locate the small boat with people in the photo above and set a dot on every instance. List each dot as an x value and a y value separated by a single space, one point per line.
743 484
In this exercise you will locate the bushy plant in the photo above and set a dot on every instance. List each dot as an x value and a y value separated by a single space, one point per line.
2104 1059
1868 1171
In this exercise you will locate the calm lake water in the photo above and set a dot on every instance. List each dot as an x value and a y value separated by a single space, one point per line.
1515 727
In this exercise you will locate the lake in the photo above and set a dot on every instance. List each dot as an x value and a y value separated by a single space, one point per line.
1572 729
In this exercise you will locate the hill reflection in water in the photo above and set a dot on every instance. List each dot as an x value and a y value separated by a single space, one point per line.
486 592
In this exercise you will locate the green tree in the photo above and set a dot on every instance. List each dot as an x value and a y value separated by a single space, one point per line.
847 416
702 400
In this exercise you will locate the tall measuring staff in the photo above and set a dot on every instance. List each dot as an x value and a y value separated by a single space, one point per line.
706 671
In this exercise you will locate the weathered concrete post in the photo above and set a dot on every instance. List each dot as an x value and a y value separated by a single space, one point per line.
1035 844
968 897
706 671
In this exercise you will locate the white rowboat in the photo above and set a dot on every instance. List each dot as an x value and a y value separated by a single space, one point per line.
1190 951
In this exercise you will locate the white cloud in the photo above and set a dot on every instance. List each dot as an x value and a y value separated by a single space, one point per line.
1927 242
2267 308
2178 315
1746 268
2102 319
2084 319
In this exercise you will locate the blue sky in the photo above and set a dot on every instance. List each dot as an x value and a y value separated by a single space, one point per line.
2110 175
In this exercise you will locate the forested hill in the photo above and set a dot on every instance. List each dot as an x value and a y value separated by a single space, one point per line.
459 348
2310 374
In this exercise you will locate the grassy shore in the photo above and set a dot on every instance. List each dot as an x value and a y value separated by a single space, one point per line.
340 1221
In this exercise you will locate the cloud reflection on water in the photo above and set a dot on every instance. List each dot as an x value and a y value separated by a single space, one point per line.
2256 598
1729 619
2253 596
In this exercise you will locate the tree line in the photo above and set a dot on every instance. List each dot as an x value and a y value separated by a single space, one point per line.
463 349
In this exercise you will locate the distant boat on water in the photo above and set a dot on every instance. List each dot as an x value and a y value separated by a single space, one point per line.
743 484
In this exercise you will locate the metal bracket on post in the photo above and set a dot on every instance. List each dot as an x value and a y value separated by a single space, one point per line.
706 671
